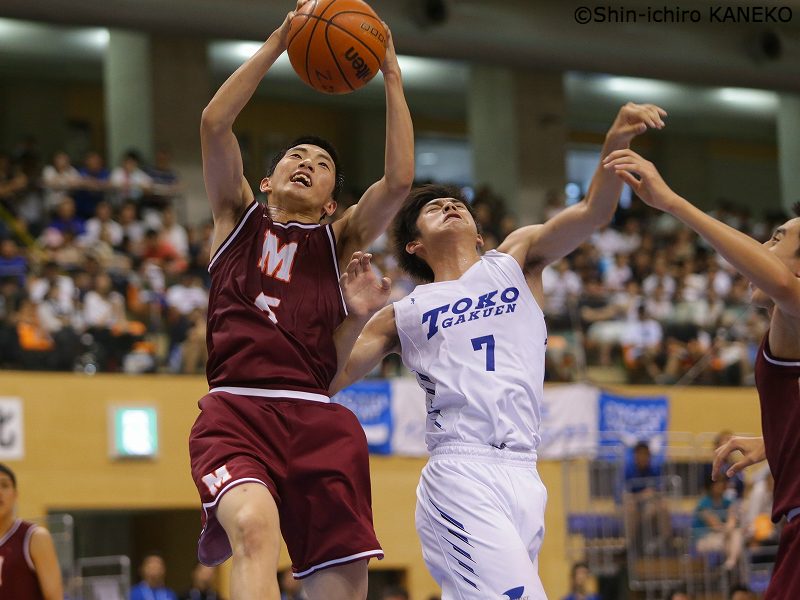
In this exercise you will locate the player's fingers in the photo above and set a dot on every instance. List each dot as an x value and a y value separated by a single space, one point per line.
738 466
386 283
351 267
629 179
343 279
617 154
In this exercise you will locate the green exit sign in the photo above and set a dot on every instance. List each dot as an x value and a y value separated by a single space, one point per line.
134 432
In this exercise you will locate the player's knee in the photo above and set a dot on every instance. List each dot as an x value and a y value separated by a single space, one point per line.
251 533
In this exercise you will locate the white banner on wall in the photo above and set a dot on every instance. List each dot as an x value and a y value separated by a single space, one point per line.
409 415
12 440
569 421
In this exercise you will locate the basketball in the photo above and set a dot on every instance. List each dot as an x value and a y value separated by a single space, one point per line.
336 46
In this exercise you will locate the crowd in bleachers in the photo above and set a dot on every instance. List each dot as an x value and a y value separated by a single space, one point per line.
98 273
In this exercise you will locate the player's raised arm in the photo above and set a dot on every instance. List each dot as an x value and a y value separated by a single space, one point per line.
48 572
755 261
539 245
363 223
377 340
227 190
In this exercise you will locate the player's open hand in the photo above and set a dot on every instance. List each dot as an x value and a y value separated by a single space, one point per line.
364 294
634 119
752 450
283 30
390 64
643 177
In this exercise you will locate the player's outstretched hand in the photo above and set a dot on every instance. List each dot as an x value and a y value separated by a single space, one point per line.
634 119
390 63
752 450
283 30
643 177
364 294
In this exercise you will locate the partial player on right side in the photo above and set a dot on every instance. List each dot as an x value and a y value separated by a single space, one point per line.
773 269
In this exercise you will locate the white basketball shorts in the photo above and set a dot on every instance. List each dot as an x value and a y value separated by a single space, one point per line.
480 518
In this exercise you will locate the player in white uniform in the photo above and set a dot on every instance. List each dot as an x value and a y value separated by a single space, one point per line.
476 338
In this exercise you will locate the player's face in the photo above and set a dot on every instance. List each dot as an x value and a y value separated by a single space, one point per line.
784 243
8 496
305 175
446 215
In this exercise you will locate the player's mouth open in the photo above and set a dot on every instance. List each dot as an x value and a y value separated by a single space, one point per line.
301 178
452 215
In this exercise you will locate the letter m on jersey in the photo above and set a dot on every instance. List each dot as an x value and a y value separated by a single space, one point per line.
215 480
276 259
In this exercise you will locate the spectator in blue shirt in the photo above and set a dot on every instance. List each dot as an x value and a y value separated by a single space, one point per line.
579 583
715 526
152 586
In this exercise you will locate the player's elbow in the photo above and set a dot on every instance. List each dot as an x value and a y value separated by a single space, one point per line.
398 184
212 120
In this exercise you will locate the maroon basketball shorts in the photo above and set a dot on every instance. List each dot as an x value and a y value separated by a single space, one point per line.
312 457
785 581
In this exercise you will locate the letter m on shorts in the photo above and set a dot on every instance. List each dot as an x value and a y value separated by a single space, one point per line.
216 479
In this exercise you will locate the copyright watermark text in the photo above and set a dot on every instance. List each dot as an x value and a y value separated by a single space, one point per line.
676 14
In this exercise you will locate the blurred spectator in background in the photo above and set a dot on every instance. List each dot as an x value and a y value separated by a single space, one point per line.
678 595
12 261
129 181
65 220
202 585
715 526
94 185
151 587
580 583
59 178
166 182
102 228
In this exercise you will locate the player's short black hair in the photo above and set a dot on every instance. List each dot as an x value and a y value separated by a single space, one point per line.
6 470
642 445
405 230
313 140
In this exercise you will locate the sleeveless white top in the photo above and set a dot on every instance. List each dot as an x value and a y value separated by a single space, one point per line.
477 347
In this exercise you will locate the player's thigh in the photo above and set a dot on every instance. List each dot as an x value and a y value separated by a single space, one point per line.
249 515
342 582
472 540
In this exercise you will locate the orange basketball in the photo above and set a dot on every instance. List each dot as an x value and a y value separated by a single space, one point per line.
336 46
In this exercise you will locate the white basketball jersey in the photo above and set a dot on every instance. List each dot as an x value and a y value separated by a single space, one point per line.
477 347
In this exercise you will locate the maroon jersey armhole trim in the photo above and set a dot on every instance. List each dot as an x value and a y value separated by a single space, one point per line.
232 235
26 547
332 238
10 532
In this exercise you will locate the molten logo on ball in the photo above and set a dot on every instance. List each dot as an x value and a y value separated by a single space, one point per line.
358 64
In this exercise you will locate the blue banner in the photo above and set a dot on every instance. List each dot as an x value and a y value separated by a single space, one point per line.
371 401
625 421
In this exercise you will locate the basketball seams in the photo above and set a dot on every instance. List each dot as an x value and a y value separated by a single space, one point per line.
336 60
340 28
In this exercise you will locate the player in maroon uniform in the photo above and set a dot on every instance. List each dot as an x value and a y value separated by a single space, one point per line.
269 452
773 270
28 564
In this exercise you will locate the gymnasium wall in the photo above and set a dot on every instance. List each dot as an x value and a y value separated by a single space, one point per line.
66 465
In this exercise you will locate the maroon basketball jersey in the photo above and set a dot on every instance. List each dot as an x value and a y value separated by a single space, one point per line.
17 574
273 306
778 385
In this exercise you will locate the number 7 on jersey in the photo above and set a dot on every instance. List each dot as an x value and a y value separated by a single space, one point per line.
488 341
